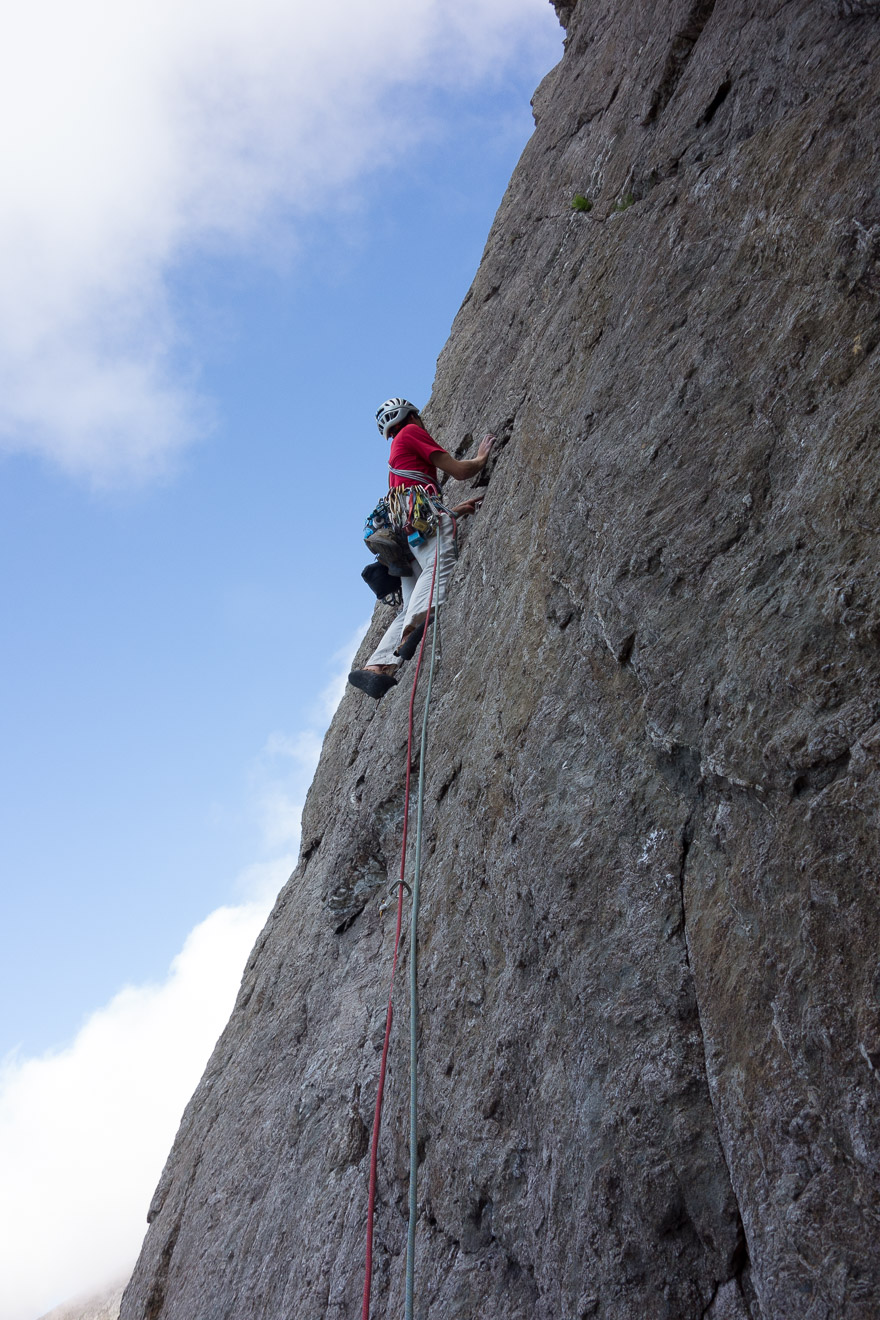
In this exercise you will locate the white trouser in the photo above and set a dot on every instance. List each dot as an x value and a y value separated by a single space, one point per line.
417 589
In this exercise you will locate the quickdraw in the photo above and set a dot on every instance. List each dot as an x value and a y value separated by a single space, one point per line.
414 509
413 512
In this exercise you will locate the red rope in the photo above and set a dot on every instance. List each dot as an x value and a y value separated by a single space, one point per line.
377 1120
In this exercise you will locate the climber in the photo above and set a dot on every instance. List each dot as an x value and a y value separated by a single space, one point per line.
413 461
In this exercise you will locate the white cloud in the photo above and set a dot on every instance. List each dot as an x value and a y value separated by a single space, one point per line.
134 135
84 1132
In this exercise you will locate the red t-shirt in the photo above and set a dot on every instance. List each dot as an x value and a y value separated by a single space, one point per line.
411 451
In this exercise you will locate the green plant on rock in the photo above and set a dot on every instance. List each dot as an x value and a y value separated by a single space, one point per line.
581 203
625 202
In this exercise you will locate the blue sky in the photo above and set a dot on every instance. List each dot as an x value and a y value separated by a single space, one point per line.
211 283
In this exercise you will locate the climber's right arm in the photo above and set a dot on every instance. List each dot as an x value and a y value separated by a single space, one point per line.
462 468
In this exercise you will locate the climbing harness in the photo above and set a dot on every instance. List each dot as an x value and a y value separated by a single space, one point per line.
415 510
414 1025
405 518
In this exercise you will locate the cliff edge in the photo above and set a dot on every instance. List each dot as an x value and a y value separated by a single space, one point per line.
650 1033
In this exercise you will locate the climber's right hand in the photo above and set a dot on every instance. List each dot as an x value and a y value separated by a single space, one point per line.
485 447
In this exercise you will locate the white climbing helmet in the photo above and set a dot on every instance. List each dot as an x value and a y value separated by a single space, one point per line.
392 412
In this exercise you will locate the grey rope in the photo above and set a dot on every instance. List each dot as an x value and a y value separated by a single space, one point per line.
413 970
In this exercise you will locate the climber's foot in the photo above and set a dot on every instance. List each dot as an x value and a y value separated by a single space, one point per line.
374 680
410 644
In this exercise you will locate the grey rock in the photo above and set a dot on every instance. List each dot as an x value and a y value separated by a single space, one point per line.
649 969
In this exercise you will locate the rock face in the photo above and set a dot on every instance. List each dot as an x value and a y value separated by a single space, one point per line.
649 958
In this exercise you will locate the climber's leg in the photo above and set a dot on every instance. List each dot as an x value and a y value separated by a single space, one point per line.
384 653
417 607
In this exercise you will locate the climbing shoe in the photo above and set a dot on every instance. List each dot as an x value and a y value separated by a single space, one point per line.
407 649
375 685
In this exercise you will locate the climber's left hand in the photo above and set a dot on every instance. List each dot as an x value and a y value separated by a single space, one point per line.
468 507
